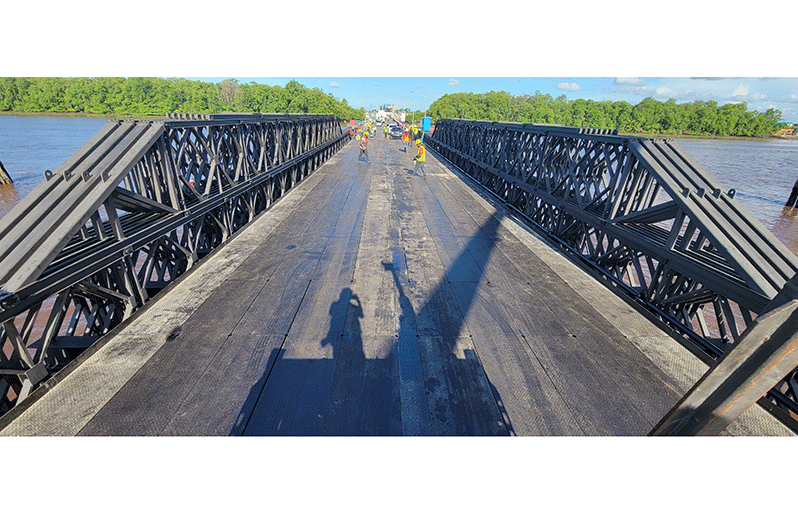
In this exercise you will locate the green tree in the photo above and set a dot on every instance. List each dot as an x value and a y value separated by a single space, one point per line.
707 117
622 115
229 92
647 115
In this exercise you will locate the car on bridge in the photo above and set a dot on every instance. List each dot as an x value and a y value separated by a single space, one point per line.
395 131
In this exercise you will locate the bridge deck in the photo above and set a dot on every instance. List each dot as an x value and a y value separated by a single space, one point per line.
372 302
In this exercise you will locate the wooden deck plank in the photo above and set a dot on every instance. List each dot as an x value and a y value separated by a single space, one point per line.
531 398
295 397
459 397
221 401
365 397
144 406
543 410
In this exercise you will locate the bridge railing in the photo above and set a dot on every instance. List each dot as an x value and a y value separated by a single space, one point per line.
127 214
645 216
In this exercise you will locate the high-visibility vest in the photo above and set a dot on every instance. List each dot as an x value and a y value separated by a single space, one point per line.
406 137
422 153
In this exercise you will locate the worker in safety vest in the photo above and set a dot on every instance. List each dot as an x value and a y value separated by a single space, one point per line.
420 159
406 138
363 147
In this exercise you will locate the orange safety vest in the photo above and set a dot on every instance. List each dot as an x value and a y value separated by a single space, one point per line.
422 153
406 137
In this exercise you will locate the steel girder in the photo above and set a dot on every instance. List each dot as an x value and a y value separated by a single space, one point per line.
645 215
129 212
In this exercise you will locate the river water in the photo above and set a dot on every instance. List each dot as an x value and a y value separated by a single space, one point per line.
762 172
30 145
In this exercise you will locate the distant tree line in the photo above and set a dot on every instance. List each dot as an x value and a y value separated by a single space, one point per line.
159 96
648 116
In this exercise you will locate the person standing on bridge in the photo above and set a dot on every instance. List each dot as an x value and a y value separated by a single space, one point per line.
406 138
364 142
420 159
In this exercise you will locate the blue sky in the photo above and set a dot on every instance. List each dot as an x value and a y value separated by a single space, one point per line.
416 92
379 52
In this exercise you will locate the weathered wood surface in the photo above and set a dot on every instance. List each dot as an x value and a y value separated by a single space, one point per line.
381 304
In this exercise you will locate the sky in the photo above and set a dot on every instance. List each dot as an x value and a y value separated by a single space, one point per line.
759 94
374 53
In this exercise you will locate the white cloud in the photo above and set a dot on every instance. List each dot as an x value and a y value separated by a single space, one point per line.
629 80
335 84
454 81
565 86
664 91
743 93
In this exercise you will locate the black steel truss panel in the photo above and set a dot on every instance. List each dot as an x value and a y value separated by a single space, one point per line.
645 215
127 214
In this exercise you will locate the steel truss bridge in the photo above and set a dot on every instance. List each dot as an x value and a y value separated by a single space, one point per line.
645 217
142 201
134 208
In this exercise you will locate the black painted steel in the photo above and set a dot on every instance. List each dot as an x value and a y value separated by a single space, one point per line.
128 213
645 215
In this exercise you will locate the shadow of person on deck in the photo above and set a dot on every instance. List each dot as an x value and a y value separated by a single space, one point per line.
426 379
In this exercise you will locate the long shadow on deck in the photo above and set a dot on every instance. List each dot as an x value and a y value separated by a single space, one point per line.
425 380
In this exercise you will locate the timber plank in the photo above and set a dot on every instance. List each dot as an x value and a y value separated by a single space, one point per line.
373 285
295 397
365 397
426 280
623 364
223 397
542 413
340 253
148 400
460 397
532 401
320 318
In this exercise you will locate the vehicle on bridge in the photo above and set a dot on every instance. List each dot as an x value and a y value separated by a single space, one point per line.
395 131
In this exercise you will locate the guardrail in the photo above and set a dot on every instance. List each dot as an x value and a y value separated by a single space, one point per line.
127 214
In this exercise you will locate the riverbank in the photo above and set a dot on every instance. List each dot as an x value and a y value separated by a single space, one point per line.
698 136
85 115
